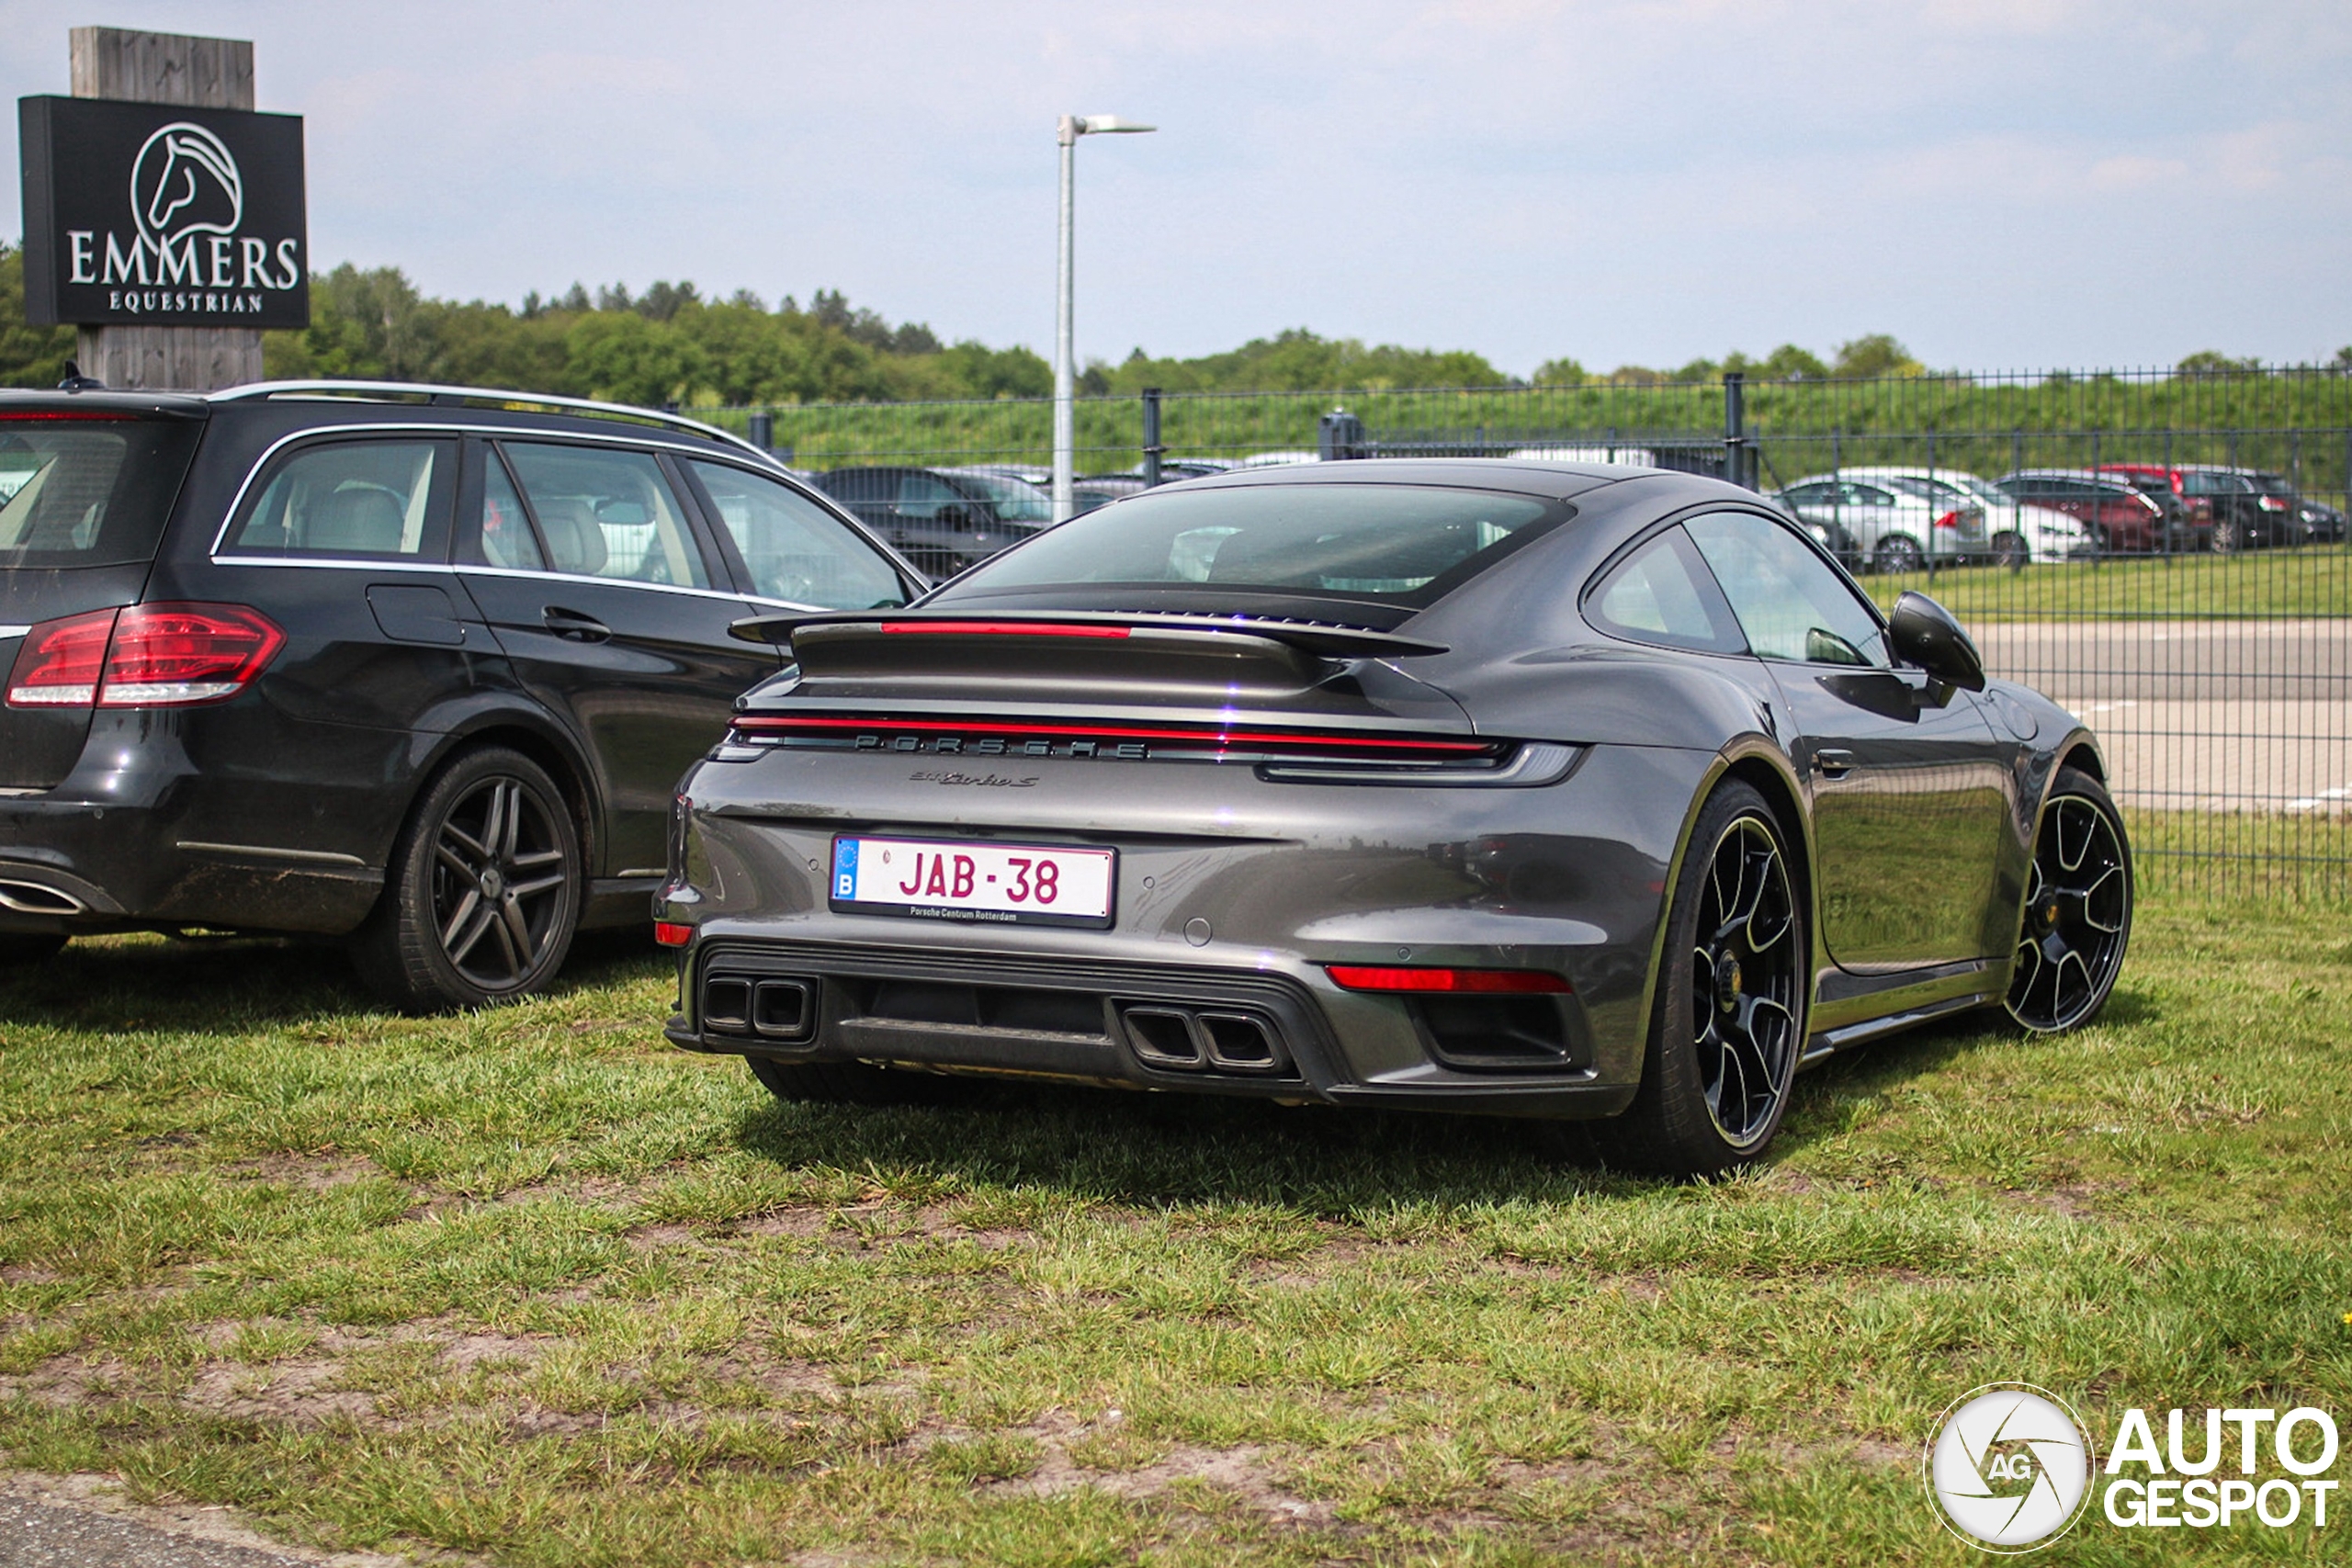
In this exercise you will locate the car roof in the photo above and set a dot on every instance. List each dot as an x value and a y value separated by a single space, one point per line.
491 401
1521 476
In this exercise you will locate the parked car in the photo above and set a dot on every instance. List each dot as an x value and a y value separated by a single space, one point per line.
1101 489
2166 487
2013 533
1887 527
1017 500
2126 519
1174 469
2252 510
413 667
2322 525
1536 790
942 521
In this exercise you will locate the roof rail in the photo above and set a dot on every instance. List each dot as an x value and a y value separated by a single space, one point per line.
430 393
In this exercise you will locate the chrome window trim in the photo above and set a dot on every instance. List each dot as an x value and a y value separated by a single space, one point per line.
8 632
526 573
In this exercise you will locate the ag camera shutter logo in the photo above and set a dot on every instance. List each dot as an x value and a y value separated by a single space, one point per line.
2009 1467
184 181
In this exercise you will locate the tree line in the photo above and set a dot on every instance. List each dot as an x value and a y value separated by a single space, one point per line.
671 344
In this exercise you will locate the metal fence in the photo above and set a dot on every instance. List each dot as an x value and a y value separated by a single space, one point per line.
2212 650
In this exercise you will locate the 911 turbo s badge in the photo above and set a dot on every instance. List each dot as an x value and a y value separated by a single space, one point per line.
979 781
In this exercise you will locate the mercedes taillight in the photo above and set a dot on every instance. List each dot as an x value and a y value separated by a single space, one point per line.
147 656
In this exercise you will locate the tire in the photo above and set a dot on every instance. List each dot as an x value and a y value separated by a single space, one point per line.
1733 989
483 892
2011 550
2076 920
1899 552
852 1083
23 950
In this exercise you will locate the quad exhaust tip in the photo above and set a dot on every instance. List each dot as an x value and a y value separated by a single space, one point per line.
1199 1040
766 1006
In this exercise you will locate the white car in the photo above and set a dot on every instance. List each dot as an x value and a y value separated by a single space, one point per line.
2013 531
1876 524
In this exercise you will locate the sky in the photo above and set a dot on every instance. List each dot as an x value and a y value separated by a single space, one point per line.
2001 184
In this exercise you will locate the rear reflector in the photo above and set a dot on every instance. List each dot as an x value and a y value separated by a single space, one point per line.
1000 628
146 656
669 933
1384 978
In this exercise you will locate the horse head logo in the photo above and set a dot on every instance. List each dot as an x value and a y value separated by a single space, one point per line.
184 182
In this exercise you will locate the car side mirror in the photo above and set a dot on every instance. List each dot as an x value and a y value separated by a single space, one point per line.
1926 634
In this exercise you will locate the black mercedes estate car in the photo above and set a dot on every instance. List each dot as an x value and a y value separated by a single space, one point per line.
416 667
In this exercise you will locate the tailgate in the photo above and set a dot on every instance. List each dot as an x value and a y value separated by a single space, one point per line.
87 482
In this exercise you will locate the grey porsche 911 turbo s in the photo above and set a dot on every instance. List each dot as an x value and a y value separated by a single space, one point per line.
1522 788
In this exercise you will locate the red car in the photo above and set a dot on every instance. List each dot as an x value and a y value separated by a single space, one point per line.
2129 519
2172 489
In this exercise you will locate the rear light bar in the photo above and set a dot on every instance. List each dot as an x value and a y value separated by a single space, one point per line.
1000 628
165 655
1221 738
78 415
1389 977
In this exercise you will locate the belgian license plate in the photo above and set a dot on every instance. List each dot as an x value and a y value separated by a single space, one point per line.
989 883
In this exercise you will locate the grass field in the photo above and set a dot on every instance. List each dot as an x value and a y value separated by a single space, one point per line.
531 1287
2309 581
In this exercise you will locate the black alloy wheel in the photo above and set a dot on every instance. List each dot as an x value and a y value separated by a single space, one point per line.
2077 917
1729 1022
2011 550
1899 552
485 892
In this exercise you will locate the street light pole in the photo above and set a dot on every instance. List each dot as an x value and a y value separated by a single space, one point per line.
1071 128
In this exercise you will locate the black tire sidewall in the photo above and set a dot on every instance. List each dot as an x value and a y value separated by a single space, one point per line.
1668 1129
2073 782
401 948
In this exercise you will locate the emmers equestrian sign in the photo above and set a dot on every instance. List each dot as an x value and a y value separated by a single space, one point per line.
162 214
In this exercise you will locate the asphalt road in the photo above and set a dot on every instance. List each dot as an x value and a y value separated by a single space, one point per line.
2211 715
81 1521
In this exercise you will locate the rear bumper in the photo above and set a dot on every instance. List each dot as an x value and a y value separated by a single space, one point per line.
1231 891
1284 1034
143 835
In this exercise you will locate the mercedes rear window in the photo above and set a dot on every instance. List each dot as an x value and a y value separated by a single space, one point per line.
80 491
1398 543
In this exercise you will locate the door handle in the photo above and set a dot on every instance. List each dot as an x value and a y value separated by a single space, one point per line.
573 627
1834 765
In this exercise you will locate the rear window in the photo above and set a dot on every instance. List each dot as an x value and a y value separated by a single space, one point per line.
88 491
1402 543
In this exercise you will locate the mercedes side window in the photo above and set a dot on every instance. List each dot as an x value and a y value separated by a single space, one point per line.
796 550
607 513
506 537
1659 595
1792 604
373 498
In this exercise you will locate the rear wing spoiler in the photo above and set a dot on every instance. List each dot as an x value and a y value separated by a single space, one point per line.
1320 638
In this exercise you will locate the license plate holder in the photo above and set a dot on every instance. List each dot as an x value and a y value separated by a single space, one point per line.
977 881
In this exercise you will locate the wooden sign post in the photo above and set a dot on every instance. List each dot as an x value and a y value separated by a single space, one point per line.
198 72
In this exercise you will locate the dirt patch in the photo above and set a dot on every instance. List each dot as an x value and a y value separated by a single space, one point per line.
28 1274
293 1393
1246 1473
315 1172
